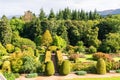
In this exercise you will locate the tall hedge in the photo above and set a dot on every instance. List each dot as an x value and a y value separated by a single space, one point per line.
47 56
65 67
49 68
101 66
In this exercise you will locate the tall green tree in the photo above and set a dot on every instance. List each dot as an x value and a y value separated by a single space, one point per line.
42 14
51 15
46 38
5 31
59 15
67 13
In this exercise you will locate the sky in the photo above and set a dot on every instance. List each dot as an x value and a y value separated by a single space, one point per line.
18 7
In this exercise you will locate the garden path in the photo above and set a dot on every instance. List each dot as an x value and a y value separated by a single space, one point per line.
69 76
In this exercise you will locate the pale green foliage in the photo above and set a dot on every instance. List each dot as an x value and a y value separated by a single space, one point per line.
59 42
17 24
19 42
29 64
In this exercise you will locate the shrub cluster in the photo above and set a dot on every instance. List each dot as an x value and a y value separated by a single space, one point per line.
99 55
84 66
9 76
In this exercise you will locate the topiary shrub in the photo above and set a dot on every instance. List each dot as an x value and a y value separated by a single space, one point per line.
101 66
65 67
49 69
47 56
6 67
80 72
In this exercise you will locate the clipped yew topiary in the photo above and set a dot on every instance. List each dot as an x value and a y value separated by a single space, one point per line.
65 67
49 68
101 66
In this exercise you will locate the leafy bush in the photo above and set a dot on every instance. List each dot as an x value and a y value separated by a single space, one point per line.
49 69
6 67
31 75
9 48
29 64
80 72
19 42
118 71
109 65
16 75
99 55
92 49
84 66
9 76
65 67
16 65
116 65
101 66
2 50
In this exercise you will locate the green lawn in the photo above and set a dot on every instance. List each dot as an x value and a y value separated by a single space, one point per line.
88 58
113 78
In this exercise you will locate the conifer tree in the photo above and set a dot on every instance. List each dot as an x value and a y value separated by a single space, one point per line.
46 38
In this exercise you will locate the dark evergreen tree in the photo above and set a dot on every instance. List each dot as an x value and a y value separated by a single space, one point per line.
67 13
51 15
42 15
5 31
59 15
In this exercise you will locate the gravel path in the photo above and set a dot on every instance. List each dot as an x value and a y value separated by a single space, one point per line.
70 76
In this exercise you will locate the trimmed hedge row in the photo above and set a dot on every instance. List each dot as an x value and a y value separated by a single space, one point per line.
47 56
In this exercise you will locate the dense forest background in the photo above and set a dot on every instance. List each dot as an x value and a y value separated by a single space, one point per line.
86 32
